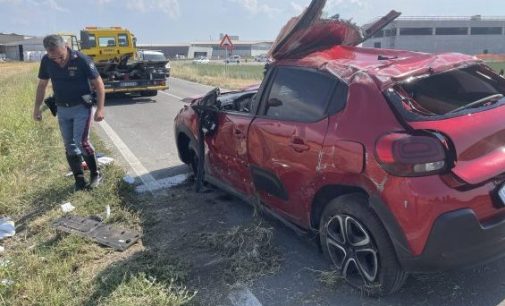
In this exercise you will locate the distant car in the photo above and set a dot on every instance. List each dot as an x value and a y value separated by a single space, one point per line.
263 58
155 56
233 59
201 60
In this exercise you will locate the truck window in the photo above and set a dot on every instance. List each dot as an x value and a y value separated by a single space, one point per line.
109 41
88 40
122 40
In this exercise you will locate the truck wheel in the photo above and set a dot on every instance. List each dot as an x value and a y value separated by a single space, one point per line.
355 241
149 93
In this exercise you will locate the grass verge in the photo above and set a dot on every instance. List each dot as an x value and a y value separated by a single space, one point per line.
224 76
497 66
42 267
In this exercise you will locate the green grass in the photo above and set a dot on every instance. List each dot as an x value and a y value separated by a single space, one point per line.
497 66
224 76
42 266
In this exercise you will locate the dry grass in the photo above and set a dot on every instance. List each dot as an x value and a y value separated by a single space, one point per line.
230 77
46 268
248 250
329 279
9 69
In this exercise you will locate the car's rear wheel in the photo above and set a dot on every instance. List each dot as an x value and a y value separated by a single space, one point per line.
355 241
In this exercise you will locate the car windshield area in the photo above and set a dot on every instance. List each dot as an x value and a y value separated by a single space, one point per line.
154 57
452 91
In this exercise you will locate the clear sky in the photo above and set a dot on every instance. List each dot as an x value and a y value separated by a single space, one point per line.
182 21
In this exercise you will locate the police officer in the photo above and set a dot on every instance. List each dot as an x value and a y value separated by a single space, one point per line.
73 76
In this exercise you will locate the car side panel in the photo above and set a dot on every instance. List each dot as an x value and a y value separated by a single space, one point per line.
227 152
288 152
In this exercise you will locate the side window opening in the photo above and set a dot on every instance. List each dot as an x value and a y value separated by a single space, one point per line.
299 95
122 40
452 91
236 102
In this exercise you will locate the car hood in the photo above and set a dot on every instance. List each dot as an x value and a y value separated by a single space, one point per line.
309 32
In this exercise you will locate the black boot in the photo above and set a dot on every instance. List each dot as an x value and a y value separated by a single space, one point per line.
95 176
74 161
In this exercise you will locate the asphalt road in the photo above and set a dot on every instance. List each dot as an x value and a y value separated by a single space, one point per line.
145 128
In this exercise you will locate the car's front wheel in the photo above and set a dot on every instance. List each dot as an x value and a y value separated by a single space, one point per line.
355 241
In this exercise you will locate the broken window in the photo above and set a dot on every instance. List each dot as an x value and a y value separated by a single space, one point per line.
452 91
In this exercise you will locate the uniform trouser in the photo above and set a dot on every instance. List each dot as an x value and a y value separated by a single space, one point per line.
75 122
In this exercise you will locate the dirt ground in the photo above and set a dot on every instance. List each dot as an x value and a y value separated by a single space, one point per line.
224 245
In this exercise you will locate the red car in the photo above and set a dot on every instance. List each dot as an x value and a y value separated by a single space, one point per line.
395 159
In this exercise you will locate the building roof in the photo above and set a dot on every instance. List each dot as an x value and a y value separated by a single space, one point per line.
29 41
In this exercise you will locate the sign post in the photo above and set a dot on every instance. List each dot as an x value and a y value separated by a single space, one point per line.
228 46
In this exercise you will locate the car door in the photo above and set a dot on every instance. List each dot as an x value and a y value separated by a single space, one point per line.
227 151
286 137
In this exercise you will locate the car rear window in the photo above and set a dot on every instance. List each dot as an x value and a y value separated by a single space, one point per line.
452 92
154 57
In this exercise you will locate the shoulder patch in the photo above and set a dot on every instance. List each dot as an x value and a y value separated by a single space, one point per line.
92 66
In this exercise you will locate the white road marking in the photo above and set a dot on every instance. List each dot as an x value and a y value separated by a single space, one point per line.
163 183
171 95
243 297
144 175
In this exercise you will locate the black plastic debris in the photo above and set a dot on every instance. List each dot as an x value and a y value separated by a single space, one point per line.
105 234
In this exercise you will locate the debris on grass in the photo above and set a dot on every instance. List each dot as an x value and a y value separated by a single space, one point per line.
249 251
128 180
7 228
7 282
67 207
329 278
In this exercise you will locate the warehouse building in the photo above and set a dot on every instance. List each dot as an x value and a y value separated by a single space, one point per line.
30 49
471 35
212 49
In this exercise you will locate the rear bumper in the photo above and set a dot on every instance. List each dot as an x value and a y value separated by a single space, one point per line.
458 239
135 89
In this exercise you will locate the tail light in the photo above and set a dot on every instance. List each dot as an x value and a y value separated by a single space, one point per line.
408 155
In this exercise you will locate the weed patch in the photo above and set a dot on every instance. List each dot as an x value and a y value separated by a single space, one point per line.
248 250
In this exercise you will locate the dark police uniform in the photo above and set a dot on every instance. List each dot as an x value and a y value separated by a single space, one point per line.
70 83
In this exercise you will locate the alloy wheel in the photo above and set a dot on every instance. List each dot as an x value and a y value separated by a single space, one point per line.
352 250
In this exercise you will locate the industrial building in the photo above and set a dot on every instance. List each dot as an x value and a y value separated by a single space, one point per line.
470 35
211 49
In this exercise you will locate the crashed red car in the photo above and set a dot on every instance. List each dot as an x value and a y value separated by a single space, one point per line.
395 159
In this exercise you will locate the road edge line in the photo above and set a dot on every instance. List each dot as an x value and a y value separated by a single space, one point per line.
147 179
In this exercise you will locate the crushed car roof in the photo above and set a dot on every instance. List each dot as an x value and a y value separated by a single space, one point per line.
385 66
329 44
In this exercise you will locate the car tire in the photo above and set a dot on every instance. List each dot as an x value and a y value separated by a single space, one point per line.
149 93
355 241
193 162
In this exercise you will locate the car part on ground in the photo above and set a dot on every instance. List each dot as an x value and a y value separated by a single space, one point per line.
115 237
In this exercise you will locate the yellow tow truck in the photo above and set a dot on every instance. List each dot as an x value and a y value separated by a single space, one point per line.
114 51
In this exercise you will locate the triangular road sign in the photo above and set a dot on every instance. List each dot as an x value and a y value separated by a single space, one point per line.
226 42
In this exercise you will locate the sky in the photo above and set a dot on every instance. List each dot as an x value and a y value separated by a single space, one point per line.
184 21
